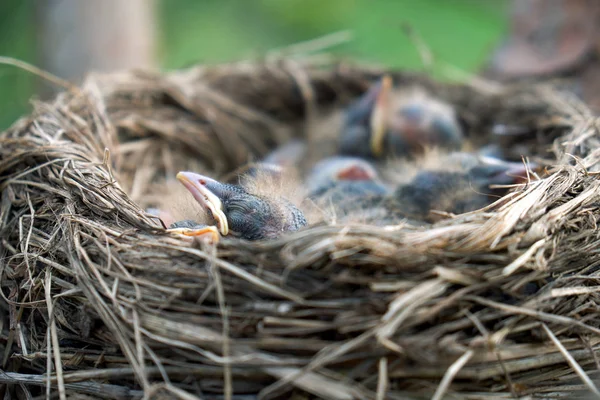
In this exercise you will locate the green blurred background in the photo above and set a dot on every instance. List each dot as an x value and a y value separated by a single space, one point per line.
461 33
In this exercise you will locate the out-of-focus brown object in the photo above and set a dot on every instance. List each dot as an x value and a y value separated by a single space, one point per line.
548 37
75 37
588 83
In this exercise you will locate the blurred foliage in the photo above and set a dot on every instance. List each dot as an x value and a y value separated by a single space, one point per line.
17 39
459 32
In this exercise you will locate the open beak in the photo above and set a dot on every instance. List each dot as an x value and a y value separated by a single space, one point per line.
203 189
379 116
208 232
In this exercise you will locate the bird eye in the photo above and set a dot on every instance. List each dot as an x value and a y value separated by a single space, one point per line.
239 207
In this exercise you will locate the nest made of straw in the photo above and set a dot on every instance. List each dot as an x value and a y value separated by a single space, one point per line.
495 304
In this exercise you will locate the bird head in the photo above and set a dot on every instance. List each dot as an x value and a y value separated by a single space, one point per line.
384 122
466 188
240 213
491 172
364 126
351 175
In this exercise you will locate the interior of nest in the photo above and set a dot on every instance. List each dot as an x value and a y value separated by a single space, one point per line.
99 294
221 122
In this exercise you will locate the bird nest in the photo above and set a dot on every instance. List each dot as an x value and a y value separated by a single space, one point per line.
101 302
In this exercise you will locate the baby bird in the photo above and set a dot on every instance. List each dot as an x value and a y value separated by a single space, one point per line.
464 183
240 213
338 184
338 179
458 192
386 122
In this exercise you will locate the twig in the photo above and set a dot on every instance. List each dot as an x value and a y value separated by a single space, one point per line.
578 370
39 72
523 258
181 394
424 51
214 270
451 373
313 45
54 336
48 363
558 319
240 273
382 379
127 372
102 390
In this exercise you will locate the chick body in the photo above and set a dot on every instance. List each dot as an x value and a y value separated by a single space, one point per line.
387 122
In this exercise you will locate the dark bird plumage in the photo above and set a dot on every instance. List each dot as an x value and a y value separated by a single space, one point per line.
340 179
452 192
243 214
466 184
389 122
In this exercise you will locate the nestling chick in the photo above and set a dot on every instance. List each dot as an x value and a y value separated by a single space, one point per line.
386 122
337 184
457 192
343 178
464 185
240 213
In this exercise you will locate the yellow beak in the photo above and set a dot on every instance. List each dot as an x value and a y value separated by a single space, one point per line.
210 233
379 116
196 185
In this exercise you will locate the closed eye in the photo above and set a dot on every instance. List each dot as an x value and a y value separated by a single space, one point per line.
240 207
